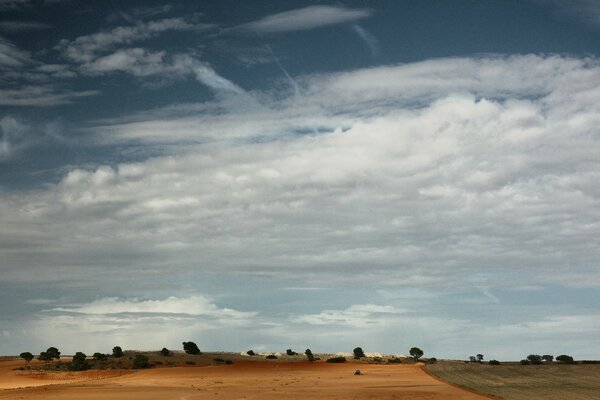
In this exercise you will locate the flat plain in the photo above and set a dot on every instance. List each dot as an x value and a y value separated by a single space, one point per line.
511 381
240 380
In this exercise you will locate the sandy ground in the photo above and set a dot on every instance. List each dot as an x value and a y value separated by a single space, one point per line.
242 380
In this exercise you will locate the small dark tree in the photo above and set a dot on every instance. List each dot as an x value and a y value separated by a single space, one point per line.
79 362
191 348
525 362
27 356
416 353
271 357
309 355
53 353
290 352
358 352
165 352
548 358
339 359
479 357
44 357
494 362
251 353
563 358
99 356
117 352
472 359
535 359
140 361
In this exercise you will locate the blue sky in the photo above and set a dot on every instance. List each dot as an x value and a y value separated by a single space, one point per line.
268 175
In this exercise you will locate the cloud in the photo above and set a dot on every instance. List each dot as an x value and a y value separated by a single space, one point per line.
306 18
85 49
40 96
450 168
11 56
354 316
587 11
370 41
12 5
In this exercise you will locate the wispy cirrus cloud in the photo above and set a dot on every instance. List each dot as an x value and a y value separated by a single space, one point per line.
311 17
22 26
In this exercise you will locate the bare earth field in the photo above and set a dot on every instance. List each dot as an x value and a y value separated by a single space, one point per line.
524 382
241 380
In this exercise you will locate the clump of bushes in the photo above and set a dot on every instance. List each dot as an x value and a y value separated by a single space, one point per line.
309 355
190 362
339 359
165 352
271 357
251 353
140 361
99 356
394 360
563 358
432 360
290 352
535 359
525 362
79 362
494 362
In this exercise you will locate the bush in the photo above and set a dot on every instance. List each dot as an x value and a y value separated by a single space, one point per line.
165 352
494 362
99 356
27 356
228 362
251 353
535 359
336 359
117 352
140 361
289 352
432 360
44 356
394 360
525 362
548 358
79 363
563 358
191 348
358 352
190 362
53 353
271 357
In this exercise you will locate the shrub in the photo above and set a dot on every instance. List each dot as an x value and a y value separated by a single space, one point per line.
99 356
251 353
271 357
416 353
53 353
563 358
27 356
472 359
218 360
535 359
79 363
44 356
140 361
432 360
190 362
548 358
494 362
339 359
117 352
191 348
394 360
165 352
228 362
358 352
525 362
290 352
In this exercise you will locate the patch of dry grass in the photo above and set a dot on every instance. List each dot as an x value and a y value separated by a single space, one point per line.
511 381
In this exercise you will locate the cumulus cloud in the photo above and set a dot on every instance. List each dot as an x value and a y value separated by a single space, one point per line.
306 18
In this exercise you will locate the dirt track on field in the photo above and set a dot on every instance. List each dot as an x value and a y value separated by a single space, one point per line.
243 380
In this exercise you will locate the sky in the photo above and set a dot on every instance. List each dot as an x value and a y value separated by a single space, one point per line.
293 174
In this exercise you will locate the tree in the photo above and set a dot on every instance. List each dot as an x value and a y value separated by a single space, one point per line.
548 358
416 353
140 361
117 352
358 352
44 356
309 355
99 356
79 362
251 353
472 359
53 353
27 356
479 357
191 348
494 362
535 359
165 352
290 352
563 358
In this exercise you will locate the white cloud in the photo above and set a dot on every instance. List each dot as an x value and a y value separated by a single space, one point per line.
40 96
11 56
22 26
306 18
85 49
370 41
354 316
